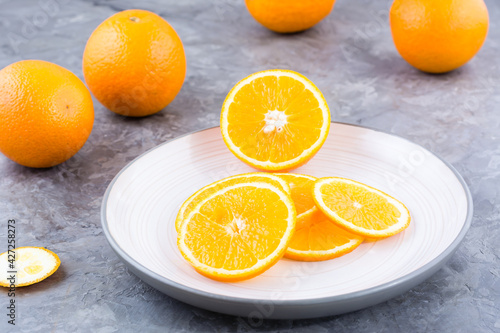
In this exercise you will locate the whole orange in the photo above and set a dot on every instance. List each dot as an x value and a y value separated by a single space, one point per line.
438 36
46 113
287 16
134 63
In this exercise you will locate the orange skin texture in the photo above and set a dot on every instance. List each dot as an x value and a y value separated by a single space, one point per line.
438 36
134 63
47 113
288 16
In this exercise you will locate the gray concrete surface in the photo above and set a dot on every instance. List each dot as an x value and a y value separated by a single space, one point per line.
351 58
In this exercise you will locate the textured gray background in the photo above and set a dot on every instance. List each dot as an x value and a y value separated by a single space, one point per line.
351 58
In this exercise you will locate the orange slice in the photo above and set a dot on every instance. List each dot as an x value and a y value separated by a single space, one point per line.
275 120
301 191
359 208
316 237
206 191
31 264
239 231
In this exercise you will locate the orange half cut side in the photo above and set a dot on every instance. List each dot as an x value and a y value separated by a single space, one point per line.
275 120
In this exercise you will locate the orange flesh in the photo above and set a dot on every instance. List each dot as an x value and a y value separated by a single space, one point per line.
361 208
206 192
301 191
247 113
316 232
234 230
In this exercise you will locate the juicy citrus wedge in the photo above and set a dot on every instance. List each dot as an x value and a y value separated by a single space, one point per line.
317 238
32 264
238 232
208 190
275 120
359 208
301 191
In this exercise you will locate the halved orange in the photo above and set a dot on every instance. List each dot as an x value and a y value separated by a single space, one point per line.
208 190
31 265
359 208
316 237
239 231
275 120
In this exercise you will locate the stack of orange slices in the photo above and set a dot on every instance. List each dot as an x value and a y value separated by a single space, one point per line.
238 227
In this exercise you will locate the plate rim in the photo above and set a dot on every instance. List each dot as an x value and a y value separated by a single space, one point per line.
399 282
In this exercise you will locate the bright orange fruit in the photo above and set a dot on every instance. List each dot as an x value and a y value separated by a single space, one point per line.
288 16
239 231
46 113
134 63
438 36
360 209
275 120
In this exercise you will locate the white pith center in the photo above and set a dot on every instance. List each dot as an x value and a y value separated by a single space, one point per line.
236 225
357 205
275 121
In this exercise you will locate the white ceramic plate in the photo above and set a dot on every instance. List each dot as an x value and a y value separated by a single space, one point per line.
140 205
